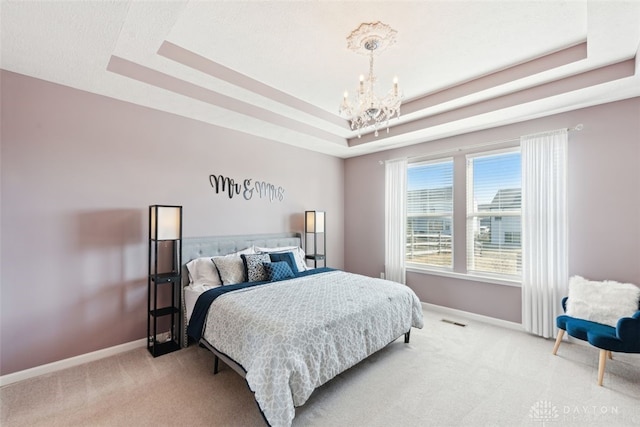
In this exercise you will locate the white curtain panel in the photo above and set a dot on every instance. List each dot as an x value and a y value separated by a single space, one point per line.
395 219
544 230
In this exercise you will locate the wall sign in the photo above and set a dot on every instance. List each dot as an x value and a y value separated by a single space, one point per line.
248 188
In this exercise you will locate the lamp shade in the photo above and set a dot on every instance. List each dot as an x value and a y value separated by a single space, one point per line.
166 222
314 222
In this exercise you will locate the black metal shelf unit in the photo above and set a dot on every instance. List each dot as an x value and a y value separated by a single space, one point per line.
165 278
315 237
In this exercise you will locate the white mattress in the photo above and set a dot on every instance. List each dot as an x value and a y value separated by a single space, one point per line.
191 294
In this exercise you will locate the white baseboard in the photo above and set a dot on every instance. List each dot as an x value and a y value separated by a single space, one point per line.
70 362
472 316
491 320
111 351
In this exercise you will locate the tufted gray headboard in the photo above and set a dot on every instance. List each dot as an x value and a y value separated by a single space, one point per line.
196 247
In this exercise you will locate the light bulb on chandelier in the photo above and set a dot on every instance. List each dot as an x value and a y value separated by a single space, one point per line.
369 109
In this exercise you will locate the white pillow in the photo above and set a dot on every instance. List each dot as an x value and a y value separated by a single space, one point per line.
247 251
231 269
298 254
602 302
203 271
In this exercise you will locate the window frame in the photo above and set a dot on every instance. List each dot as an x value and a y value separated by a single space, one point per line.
459 214
448 214
471 213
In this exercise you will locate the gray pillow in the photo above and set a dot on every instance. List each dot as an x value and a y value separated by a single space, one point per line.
231 269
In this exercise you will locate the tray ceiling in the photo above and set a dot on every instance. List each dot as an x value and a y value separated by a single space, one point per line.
277 69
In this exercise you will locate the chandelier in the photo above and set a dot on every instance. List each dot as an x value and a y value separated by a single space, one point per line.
368 109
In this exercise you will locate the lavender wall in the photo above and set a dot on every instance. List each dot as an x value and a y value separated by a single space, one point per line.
604 206
78 174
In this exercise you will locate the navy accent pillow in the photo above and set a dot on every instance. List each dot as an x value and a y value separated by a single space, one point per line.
287 257
279 270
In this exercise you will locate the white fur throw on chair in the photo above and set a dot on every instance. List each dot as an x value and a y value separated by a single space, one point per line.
602 302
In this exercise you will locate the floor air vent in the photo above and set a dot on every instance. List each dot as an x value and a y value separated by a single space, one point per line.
453 323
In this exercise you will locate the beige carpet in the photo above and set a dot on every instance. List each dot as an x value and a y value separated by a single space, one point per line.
478 375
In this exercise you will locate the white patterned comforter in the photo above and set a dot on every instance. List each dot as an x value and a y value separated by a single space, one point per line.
293 336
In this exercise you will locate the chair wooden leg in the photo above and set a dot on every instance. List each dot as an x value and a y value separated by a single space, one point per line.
601 365
610 354
558 341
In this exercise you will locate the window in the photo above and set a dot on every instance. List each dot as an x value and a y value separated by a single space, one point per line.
490 217
430 213
494 213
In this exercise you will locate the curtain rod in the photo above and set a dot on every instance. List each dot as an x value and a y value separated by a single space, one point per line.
576 128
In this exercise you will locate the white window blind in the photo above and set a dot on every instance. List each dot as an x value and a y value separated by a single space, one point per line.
430 213
494 200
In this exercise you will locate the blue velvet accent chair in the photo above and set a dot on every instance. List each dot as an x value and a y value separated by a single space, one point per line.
624 338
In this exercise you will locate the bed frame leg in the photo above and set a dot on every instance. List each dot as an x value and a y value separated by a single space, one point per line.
406 337
215 364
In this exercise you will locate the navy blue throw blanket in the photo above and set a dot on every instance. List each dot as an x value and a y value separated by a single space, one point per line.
200 310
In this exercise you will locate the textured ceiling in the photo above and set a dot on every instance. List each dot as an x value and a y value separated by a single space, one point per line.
278 69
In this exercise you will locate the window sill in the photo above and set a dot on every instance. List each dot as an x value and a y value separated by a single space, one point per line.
472 277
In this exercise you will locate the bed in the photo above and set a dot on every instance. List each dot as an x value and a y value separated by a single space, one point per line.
287 333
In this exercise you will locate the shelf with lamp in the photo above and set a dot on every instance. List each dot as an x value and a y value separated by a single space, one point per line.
315 241
164 279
